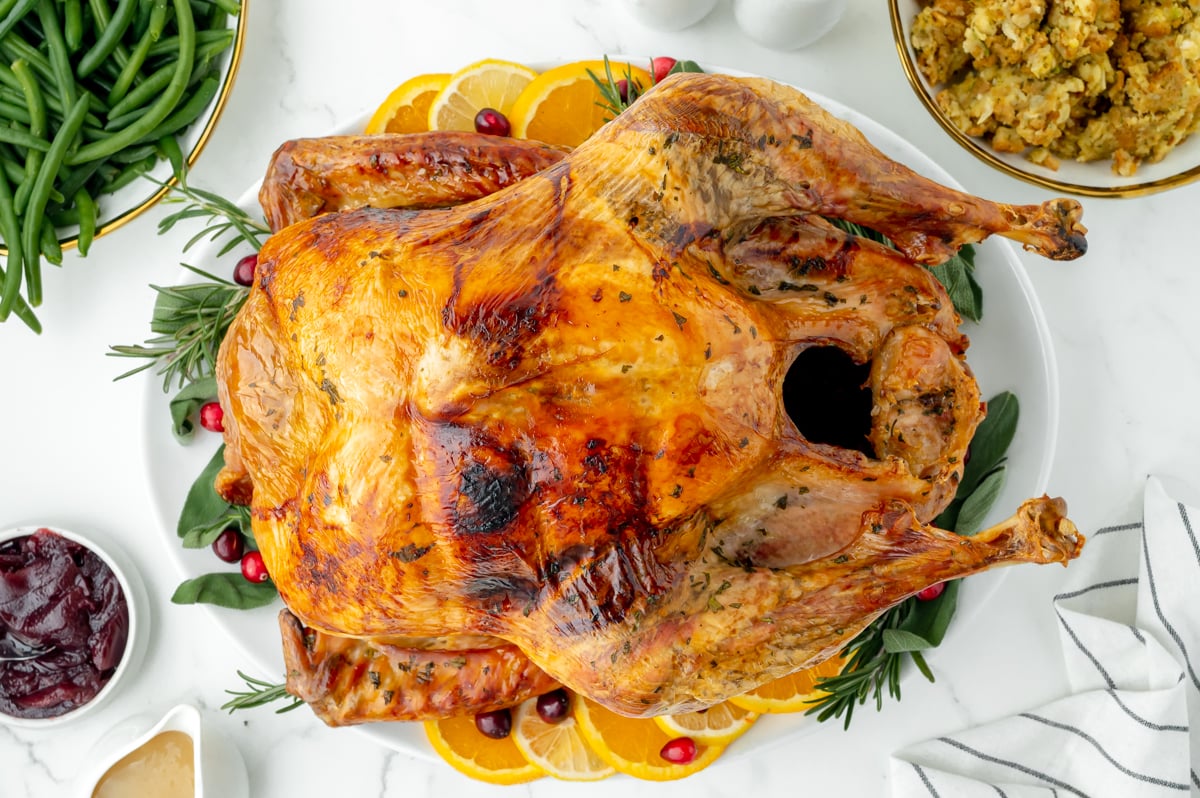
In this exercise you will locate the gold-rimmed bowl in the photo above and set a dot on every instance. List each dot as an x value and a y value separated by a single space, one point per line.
1092 179
127 203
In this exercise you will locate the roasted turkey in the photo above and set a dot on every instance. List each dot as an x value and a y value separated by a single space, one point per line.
524 425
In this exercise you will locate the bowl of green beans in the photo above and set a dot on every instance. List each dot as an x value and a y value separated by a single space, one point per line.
103 103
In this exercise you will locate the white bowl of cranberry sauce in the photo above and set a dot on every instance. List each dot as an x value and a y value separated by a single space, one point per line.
69 625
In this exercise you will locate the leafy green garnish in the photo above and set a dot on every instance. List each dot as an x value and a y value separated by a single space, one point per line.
986 465
190 321
225 589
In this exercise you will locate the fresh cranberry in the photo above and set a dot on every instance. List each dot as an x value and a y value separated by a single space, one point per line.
662 66
680 751
492 123
243 272
931 592
554 707
496 724
228 545
623 89
211 416
253 567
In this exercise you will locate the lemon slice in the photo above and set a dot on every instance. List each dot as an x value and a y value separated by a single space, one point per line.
720 724
406 109
634 745
481 757
793 693
485 84
564 106
557 748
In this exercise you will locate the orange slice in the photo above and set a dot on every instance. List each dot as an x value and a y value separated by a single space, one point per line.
720 724
557 748
793 693
481 757
406 109
560 106
490 83
633 745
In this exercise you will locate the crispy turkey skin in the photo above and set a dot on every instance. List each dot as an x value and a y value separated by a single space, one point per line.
543 429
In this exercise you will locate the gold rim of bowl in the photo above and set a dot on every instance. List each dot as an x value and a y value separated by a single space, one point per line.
985 154
129 214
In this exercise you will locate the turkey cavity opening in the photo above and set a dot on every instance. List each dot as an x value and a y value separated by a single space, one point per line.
825 394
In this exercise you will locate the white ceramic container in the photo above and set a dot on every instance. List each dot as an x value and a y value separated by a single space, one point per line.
787 24
220 771
139 621
669 15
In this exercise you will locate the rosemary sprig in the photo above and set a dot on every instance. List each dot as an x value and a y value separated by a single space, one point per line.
258 694
617 97
189 322
870 670
222 217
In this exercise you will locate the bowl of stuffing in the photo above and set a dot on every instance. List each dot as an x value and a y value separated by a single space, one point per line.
1083 96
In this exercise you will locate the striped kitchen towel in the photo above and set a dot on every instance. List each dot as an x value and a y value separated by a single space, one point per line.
1130 629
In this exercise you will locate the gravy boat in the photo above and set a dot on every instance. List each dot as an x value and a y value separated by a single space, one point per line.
219 769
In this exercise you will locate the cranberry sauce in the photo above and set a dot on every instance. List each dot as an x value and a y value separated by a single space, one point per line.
54 592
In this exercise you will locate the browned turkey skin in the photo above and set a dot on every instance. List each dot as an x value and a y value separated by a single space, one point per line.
539 437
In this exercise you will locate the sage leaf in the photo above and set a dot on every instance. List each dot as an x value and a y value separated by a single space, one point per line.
187 402
975 508
685 66
225 589
898 641
202 504
956 277
930 619
991 440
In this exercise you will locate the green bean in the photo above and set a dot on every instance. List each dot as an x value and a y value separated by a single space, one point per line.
115 123
86 208
75 179
127 175
60 59
40 195
11 232
141 93
23 138
8 78
14 113
53 105
157 112
15 15
51 249
100 20
186 113
65 218
14 47
131 154
108 40
131 70
36 107
12 169
141 19
73 24
170 44
168 147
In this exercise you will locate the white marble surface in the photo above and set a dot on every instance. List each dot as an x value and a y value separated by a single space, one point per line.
1122 320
